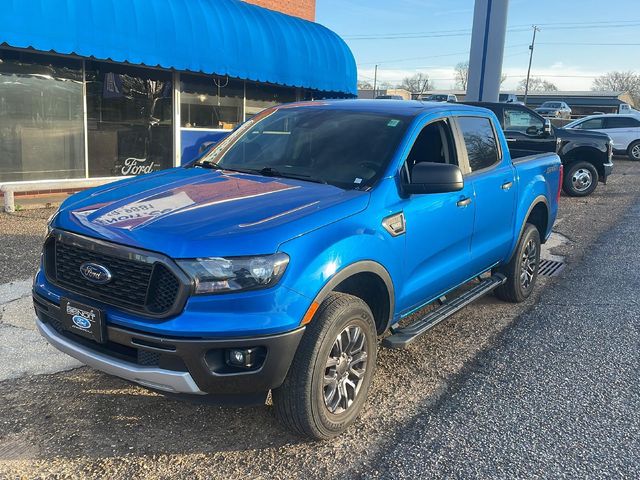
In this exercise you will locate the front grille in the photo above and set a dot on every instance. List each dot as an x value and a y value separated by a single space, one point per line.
148 287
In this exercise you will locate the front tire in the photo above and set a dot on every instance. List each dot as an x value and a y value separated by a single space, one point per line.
580 180
329 378
522 269
634 151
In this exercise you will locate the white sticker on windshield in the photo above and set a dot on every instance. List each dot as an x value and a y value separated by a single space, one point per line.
393 123
357 180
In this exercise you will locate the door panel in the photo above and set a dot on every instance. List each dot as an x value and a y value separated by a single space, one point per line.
495 198
620 137
438 245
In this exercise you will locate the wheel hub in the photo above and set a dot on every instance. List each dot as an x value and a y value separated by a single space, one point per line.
581 179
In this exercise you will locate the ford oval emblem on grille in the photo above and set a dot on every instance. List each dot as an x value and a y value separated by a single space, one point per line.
95 273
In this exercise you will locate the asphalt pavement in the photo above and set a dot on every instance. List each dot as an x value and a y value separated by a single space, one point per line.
558 397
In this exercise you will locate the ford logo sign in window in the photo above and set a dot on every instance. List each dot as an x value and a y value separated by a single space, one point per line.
95 273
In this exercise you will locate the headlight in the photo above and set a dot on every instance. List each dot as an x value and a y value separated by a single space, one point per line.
219 275
49 222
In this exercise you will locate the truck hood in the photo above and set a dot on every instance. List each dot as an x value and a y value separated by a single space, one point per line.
575 134
192 212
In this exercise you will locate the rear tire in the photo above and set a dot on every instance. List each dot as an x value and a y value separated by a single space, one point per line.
580 179
329 378
634 151
522 269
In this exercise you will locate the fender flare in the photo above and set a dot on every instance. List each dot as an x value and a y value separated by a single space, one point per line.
536 201
363 266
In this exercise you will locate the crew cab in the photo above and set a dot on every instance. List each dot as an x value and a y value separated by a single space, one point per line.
278 259
586 156
624 131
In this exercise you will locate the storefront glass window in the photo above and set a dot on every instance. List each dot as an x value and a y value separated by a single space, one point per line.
130 118
41 117
261 96
210 102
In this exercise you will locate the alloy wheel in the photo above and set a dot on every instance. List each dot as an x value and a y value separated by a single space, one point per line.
345 369
528 264
635 152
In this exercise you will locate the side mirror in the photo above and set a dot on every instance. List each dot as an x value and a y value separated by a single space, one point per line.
429 177
547 127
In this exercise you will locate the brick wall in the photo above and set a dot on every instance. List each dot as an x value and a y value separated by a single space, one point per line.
298 8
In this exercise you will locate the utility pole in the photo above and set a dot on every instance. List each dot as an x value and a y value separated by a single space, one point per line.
375 82
531 47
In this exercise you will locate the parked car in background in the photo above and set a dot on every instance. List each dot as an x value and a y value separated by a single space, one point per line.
442 97
554 110
277 259
586 155
624 130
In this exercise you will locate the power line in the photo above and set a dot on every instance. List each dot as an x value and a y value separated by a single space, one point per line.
399 60
513 29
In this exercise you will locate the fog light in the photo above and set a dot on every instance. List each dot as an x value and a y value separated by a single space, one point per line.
241 357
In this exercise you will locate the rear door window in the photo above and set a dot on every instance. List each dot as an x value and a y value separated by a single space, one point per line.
480 141
621 122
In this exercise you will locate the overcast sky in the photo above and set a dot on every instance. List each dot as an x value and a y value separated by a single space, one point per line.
580 39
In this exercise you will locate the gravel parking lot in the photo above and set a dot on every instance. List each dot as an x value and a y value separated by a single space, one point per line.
470 399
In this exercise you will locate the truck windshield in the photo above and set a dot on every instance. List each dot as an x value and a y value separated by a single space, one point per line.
349 149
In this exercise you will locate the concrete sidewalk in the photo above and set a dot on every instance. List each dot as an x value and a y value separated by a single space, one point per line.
558 397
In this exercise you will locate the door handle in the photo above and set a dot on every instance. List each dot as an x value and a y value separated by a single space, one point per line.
507 185
464 202
512 139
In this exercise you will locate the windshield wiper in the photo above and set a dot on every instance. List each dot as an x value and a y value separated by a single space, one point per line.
215 166
274 172
265 172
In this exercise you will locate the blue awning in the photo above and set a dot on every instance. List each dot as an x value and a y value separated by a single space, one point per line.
224 37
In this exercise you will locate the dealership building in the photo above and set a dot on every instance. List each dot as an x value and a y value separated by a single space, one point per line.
94 89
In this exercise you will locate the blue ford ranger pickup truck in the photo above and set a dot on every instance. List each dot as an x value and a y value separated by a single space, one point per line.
278 259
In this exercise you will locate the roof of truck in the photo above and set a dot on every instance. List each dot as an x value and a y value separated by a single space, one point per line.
410 108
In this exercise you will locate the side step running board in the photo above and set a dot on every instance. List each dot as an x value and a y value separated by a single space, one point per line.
403 337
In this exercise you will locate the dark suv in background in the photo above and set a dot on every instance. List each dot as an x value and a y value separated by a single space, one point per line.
586 156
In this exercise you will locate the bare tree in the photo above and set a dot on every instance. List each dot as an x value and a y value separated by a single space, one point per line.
537 84
620 82
462 75
364 85
417 83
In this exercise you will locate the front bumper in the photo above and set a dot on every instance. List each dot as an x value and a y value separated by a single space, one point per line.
174 365
608 169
